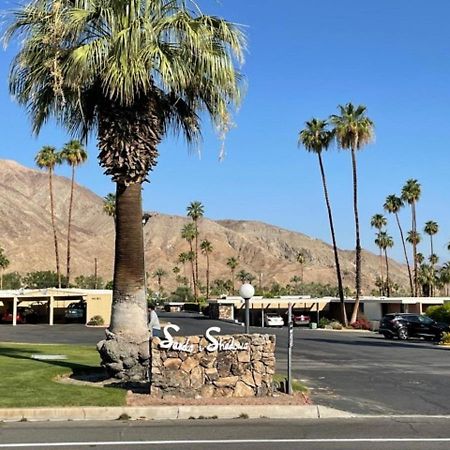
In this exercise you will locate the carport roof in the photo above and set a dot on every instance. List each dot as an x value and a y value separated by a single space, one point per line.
34 293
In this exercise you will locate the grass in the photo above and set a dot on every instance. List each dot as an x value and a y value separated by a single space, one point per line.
296 385
26 382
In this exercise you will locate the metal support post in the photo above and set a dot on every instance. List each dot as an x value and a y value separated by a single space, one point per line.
289 353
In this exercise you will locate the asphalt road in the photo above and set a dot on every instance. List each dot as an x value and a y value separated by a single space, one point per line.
354 371
343 434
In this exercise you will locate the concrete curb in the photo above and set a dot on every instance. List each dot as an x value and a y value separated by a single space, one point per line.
172 413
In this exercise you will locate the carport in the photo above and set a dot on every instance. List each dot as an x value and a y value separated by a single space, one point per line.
49 297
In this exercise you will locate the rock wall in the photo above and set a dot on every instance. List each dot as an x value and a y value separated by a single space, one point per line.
195 366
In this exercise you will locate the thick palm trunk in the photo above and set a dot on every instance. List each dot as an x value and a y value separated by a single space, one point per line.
196 263
207 276
416 284
333 238
125 352
406 255
1 278
357 240
388 282
55 237
69 225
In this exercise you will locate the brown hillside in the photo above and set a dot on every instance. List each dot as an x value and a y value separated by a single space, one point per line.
262 249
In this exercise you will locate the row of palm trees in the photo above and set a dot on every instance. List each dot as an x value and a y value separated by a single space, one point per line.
74 154
351 130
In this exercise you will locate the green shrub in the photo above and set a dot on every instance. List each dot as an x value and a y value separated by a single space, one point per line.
96 320
439 313
323 322
336 325
445 339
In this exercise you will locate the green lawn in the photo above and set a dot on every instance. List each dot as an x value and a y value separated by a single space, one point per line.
26 382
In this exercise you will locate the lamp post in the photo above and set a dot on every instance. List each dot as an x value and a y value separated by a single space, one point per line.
247 291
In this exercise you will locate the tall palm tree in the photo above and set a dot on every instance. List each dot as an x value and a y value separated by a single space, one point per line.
411 193
378 221
353 131
431 228
444 275
183 259
206 248
127 71
195 211
393 205
109 205
384 241
74 154
159 273
232 263
4 263
189 233
301 260
316 138
47 158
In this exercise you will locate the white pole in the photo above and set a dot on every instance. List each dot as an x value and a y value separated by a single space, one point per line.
290 345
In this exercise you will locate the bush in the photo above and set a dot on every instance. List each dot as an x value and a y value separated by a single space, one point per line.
439 313
96 320
335 325
445 339
323 322
361 324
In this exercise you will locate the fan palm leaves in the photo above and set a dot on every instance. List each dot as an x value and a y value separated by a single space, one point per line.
159 274
431 228
411 194
384 241
48 158
73 154
232 264
393 205
109 205
207 248
353 131
129 72
317 138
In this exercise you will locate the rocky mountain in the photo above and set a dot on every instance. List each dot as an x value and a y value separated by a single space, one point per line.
264 250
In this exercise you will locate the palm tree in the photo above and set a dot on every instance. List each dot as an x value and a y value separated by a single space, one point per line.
242 276
232 263
206 248
393 205
431 228
444 276
189 233
159 273
353 131
4 263
384 241
130 72
301 260
316 139
411 194
109 205
47 158
183 259
378 221
195 211
420 258
73 154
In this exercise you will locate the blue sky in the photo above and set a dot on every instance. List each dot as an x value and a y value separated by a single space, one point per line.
305 58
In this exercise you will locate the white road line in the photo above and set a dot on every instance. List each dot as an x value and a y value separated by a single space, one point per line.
220 441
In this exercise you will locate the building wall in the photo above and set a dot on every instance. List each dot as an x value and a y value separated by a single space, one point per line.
99 304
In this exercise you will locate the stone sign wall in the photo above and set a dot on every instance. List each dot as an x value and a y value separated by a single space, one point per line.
213 366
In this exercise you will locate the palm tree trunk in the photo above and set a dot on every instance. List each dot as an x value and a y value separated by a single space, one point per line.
358 243
196 262
381 267
55 237
413 212
232 280
406 255
194 282
388 287
69 224
129 307
1 278
301 271
207 276
431 244
333 238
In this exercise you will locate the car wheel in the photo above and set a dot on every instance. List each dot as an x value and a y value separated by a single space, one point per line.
402 334
388 335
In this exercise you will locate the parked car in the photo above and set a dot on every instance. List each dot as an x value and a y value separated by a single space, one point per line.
25 314
273 320
300 319
76 312
405 325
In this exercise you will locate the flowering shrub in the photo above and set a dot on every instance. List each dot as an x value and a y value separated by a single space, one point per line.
361 324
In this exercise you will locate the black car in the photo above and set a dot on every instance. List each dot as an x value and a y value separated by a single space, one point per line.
405 325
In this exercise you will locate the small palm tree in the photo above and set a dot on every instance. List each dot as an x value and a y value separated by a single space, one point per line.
378 221
420 258
353 131
393 205
384 241
232 263
242 276
431 228
4 263
159 273
189 233
316 138
301 260
195 211
48 158
73 154
411 193
206 247
183 259
109 205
